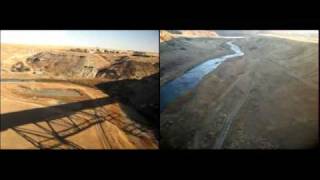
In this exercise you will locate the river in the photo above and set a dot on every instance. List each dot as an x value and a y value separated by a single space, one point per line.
181 85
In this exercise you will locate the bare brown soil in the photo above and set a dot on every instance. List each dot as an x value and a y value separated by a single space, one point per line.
267 99
45 111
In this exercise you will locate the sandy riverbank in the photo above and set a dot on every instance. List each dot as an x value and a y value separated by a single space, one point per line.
181 54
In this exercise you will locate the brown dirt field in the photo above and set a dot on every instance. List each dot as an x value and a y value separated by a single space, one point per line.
53 114
267 99
71 129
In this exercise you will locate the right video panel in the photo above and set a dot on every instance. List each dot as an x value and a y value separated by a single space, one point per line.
239 89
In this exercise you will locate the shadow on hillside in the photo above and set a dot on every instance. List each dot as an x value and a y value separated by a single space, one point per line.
142 95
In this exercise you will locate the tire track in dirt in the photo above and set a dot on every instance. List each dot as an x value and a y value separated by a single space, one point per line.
229 120
216 106
101 134
226 127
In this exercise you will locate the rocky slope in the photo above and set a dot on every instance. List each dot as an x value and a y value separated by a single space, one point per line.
197 33
87 65
165 36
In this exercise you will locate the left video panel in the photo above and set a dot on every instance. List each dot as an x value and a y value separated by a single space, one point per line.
79 89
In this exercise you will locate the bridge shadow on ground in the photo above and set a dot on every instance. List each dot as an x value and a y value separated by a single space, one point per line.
11 120
42 123
142 95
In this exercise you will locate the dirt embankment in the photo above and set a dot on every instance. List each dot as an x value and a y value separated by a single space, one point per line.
181 54
267 99
191 33
165 36
86 65
35 62
197 33
141 94
126 69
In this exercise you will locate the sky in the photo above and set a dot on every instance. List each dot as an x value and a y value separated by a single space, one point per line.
139 40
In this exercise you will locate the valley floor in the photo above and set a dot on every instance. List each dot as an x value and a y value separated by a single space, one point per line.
266 99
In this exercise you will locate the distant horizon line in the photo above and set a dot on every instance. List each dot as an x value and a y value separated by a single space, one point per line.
75 46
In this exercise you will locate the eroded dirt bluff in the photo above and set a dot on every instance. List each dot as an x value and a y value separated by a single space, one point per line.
70 64
123 68
166 35
194 33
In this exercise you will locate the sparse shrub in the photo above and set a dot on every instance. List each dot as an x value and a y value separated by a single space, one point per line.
138 53
253 48
171 43
19 67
